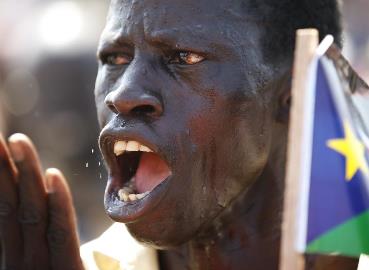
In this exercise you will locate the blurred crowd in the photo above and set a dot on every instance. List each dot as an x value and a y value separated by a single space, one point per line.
356 43
47 72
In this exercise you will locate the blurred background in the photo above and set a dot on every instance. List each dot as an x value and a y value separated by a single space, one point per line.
47 74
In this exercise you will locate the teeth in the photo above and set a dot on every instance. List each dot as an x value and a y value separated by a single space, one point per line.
126 195
120 147
132 146
144 148
132 197
123 195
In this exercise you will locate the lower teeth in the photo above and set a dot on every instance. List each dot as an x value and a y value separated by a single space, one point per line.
126 195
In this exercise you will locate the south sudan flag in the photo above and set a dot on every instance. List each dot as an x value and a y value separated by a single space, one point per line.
335 194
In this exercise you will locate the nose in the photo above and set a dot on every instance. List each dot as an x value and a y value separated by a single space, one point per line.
133 103
135 96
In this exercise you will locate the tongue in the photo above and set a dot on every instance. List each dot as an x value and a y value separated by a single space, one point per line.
151 171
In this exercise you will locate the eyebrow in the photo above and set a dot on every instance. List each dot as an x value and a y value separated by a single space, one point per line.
174 39
110 44
167 39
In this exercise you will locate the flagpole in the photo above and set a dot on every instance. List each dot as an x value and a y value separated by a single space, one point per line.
306 44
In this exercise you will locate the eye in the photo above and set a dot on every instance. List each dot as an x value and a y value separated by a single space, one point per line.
186 58
117 59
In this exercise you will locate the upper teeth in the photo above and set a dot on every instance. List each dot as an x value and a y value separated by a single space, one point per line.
131 146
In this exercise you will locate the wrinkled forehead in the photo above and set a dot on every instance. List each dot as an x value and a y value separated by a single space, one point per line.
127 16
177 8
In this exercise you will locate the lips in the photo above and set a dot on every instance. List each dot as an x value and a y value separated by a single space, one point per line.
137 177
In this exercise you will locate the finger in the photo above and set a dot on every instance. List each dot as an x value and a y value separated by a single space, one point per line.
62 231
32 211
10 232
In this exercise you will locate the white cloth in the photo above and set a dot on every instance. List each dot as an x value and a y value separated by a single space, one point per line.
116 249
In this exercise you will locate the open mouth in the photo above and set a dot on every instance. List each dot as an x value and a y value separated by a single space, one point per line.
139 171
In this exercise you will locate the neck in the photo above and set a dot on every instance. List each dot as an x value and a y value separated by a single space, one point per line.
247 233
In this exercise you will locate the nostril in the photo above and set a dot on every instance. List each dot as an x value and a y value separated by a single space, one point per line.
133 103
143 110
112 108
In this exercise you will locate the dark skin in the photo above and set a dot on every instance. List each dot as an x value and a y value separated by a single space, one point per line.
36 211
188 79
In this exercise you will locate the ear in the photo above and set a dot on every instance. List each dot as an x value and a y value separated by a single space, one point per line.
284 98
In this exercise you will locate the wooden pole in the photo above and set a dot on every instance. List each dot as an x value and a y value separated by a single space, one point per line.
306 44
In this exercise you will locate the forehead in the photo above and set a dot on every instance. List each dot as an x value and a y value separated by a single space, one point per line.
179 9
194 17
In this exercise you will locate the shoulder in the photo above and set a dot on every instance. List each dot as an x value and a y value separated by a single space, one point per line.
116 249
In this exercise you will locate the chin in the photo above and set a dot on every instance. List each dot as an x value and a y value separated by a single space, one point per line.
154 237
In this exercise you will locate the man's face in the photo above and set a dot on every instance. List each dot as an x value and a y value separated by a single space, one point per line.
186 80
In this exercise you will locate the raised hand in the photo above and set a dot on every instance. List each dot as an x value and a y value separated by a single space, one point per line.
37 220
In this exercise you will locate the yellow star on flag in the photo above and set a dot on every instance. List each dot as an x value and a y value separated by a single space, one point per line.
353 150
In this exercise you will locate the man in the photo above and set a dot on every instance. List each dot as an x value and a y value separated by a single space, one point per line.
193 100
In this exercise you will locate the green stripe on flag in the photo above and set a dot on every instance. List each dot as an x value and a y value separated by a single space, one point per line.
350 238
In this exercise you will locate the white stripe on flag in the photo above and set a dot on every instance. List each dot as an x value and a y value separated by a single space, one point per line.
364 262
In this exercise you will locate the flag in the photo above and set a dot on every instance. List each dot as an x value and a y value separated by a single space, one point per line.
334 201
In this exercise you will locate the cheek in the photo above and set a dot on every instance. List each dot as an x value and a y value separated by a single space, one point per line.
102 88
241 160
207 121
103 112
202 129
249 144
239 136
